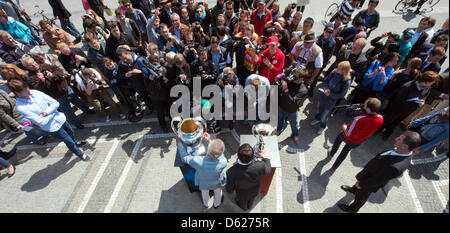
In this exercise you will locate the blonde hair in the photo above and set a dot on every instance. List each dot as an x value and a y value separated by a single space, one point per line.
96 17
19 73
346 68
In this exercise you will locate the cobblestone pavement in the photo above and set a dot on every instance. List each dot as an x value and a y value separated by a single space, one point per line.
132 164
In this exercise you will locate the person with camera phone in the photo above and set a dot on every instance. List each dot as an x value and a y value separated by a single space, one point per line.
245 49
190 51
92 83
167 42
200 36
291 94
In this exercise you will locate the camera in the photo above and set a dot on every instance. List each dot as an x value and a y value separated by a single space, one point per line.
238 38
197 26
293 5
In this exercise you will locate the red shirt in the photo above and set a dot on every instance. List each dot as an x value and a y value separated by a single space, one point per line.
258 24
362 127
277 60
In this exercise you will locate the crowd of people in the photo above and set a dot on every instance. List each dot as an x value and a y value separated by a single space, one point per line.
152 46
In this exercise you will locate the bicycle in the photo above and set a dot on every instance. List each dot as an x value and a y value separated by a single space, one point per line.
332 10
38 13
404 6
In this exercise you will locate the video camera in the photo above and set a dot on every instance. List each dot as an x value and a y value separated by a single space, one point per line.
287 76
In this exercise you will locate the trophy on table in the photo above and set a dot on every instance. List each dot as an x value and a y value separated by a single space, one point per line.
259 131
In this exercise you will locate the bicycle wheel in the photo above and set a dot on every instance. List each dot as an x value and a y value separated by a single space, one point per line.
331 11
403 5
428 6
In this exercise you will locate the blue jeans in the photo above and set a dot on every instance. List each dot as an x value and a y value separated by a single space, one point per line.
68 26
322 115
64 106
65 133
292 117
4 162
33 134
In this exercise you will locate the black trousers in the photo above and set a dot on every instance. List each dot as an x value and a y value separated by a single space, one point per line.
162 110
245 204
361 197
347 148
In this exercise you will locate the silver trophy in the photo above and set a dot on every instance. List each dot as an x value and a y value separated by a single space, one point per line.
190 132
259 131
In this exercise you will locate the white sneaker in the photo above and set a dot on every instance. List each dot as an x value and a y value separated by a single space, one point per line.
314 122
85 158
108 118
320 131
123 117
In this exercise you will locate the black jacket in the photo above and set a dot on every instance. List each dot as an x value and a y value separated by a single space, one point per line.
358 63
436 67
380 170
246 179
11 55
290 101
425 48
422 39
374 21
59 9
97 6
207 73
328 48
68 62
144 6
112 43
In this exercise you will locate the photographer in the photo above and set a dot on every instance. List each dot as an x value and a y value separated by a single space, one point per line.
179 73
227 79
167 42
276 29
120 39
52 81
218 55
204 69
130 69
202 16
91 83
190 48
245 49
200 36
291 94
158 86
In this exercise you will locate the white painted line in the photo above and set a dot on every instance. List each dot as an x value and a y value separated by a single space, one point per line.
58 144
412 191
99 175
437 185
122 178
122 122
279 191
429 160
306 205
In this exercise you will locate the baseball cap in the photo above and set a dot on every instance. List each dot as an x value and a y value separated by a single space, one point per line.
273 40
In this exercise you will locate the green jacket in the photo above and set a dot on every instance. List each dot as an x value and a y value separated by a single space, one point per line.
8 112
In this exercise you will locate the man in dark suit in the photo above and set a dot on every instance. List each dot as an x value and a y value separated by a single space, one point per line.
382 169
244 176
430 62
442 41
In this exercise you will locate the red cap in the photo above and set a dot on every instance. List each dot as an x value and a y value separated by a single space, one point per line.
273 39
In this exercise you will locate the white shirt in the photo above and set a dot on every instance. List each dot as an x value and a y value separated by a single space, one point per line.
37 104
318 63
81 83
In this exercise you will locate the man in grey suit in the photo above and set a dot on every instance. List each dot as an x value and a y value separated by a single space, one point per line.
381 169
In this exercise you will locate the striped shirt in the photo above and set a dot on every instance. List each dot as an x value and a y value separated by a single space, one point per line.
347 8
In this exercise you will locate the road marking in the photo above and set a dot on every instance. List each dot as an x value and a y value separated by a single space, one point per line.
119 184
437 185
58 144
304 182
122 122
279 191
412 191
100 172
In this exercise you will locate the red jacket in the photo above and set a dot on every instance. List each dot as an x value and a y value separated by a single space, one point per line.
258 24
277 60
362 127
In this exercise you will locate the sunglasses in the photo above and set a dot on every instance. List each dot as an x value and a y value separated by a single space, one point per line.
230 9
329 31
199 11
127 5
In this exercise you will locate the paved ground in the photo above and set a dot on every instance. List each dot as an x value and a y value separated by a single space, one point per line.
132 164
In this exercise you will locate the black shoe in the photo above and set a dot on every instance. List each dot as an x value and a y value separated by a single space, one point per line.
9 154
345 208
92 112
211 193
348 189
81 126
417 12
80 143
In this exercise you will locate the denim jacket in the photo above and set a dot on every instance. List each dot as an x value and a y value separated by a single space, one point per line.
435 134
